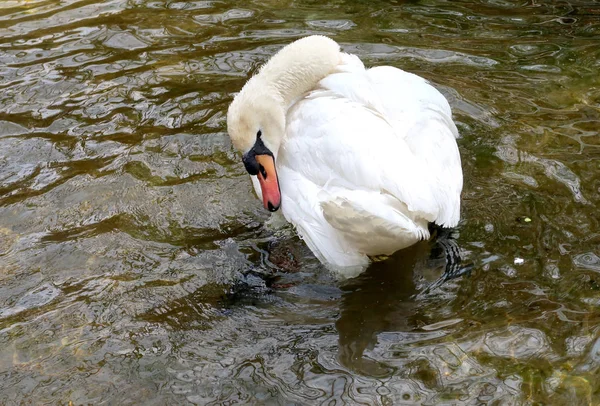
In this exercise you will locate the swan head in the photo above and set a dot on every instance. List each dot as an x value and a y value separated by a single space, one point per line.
256 126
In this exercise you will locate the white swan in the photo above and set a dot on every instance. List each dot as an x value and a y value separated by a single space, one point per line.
360 160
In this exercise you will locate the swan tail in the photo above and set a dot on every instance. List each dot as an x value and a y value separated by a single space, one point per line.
373 223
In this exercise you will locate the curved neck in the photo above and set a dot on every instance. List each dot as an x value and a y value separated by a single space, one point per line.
296 69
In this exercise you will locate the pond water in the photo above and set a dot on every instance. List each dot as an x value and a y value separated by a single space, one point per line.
137 267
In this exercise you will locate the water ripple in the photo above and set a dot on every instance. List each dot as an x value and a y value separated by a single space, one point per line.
135 263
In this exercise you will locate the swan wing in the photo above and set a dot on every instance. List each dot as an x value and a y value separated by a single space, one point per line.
340 135
421 116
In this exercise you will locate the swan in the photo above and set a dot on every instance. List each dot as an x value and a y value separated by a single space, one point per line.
359 160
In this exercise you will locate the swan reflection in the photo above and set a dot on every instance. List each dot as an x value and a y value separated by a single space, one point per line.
386 297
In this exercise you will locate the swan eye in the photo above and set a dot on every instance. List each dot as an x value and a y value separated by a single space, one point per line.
258 134
262 170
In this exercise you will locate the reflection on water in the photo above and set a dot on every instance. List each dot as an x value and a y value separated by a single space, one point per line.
136 266
385 299
379 300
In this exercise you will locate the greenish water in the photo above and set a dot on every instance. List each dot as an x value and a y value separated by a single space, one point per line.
135 266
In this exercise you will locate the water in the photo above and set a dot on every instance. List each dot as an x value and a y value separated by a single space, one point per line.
136 267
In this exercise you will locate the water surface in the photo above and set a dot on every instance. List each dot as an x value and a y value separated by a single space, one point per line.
135 263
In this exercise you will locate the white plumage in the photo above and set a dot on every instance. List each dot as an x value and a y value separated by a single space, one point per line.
367 159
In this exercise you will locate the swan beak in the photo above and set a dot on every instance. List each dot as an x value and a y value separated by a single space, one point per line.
269 184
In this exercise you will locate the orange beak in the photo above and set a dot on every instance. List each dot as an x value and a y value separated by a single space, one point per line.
269 184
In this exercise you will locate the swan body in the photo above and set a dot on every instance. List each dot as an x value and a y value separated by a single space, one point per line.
360 160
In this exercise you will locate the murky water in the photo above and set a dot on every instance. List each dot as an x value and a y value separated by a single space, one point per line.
135 264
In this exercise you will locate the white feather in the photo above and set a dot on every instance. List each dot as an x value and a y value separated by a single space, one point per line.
369 158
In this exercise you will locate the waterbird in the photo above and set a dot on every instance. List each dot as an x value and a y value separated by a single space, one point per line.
359 160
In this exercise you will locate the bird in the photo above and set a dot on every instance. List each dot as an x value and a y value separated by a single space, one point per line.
360 160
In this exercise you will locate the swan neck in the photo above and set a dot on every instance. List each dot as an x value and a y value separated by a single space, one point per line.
298 68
